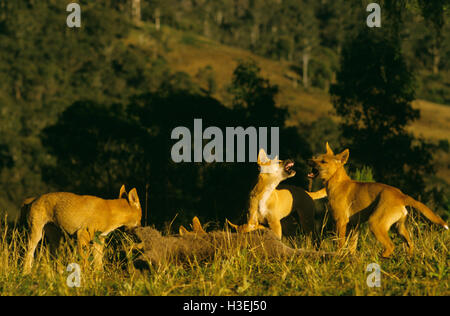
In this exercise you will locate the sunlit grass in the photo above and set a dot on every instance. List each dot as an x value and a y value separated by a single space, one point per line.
236 272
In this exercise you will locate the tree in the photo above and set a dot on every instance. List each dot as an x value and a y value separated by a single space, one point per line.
136 11
298 21
95 147
373 97
5 157
433 12
308 38
254 98
44 68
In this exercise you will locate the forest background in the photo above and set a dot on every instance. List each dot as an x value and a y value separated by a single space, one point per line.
88 109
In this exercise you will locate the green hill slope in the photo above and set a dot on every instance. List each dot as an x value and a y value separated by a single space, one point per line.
191 53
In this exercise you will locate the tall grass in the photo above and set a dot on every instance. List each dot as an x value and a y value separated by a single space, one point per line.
238 272
365 174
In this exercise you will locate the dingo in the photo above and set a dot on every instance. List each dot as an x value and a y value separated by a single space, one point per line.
84 215
271 204
385 205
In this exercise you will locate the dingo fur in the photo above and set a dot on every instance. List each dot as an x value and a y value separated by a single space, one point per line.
84 215
269 204
52 233
385 205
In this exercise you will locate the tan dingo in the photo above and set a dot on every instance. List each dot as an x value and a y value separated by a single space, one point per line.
270 203
84 215
386 205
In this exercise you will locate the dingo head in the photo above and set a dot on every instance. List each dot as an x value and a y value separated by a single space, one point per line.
134 220
275 169
327 164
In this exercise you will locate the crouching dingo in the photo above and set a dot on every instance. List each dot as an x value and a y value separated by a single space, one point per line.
384 204
84 215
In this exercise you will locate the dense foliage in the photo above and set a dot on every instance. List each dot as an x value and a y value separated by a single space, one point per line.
311 34
86 110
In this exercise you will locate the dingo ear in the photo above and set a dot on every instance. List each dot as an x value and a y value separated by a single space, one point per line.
343 156
197 226
329 150
183 231
262 157
133 198
123 192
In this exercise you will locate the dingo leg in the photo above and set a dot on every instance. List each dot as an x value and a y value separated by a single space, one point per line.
405 234
33 240
98 252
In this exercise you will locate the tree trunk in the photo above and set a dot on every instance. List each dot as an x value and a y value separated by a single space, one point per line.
219 17
136 11
254 34
17 88
157 19
306 57
206 29
436 59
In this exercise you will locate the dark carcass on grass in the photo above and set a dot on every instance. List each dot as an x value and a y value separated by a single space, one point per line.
199 245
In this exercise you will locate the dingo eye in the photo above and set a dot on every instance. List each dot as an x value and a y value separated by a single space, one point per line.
323 161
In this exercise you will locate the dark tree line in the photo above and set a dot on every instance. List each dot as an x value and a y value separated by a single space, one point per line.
97 147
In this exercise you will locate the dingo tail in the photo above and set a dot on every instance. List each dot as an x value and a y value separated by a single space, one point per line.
426 211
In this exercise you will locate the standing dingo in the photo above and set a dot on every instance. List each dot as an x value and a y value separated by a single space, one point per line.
385 204
84 215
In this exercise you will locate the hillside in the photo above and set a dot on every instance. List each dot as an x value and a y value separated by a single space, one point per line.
190 53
